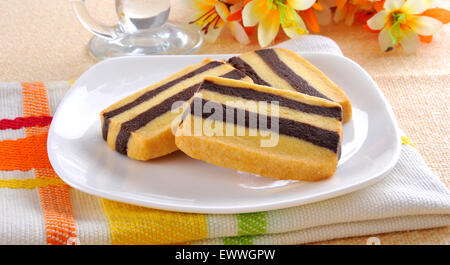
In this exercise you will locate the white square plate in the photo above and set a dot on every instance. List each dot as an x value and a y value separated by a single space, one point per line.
371 145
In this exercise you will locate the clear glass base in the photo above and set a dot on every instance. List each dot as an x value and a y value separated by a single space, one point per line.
168 39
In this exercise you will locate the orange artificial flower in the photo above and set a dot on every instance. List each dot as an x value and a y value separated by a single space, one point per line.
402 23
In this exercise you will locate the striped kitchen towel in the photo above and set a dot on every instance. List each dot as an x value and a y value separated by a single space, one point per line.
37 207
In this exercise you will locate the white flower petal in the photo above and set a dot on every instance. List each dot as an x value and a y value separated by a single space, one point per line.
239 33
385 41
222 11
416 6
251 14
378 21
292 32
410 41
300 4
213 33
425 26
197 4
390 5
268 28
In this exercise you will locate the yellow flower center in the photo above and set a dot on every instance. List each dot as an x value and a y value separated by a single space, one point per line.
208 19
288 15
396 20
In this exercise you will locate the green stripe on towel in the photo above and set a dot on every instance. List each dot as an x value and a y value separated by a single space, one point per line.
238 240
249 224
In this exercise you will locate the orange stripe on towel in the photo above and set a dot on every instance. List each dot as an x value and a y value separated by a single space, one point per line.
35 99
35 103
55 200
24 153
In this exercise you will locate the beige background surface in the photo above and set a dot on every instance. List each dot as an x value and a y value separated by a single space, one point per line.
41 40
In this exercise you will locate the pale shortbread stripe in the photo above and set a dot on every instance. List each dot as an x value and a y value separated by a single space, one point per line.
135 111
327 123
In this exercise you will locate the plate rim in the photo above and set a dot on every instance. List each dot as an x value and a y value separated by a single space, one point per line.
226 210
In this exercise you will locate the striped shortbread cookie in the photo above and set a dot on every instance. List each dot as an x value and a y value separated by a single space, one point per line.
258 129
285 69
139 125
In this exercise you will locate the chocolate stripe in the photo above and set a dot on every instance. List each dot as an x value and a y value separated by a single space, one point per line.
105 128
250 94
247 69
147 116
299 130
270 57
234 74
152 93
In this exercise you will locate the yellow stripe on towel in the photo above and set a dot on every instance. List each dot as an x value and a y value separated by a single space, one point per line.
131 224
30 183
